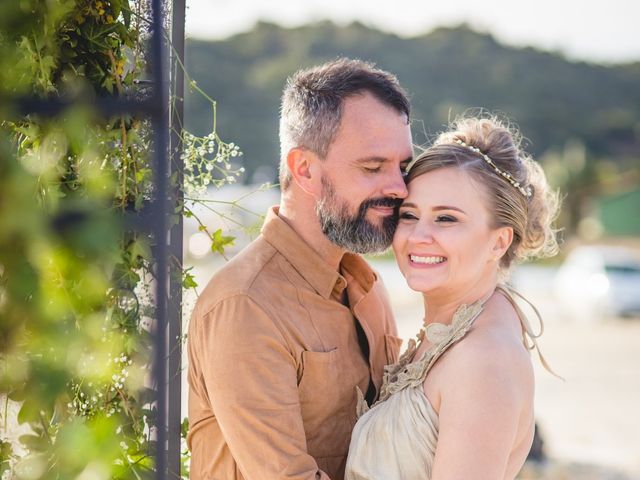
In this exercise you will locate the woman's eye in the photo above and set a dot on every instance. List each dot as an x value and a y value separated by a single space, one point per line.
408 216
446 218
372 169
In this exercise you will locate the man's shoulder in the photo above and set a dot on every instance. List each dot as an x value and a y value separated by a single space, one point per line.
238 276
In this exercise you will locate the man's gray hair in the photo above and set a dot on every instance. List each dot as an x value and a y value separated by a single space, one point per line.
312 100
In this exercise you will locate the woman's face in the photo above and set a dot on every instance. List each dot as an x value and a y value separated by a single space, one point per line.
444 242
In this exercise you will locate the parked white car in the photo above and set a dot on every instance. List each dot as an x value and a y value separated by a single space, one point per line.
599 281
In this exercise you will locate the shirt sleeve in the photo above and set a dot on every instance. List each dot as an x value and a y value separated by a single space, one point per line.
251 379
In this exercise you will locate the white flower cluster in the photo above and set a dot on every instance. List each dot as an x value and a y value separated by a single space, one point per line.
208 161
85 404
89 399
119 378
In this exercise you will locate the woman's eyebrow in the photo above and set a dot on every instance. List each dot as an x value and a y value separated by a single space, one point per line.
448 207
436 208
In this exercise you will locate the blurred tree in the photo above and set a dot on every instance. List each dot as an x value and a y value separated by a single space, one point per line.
553 101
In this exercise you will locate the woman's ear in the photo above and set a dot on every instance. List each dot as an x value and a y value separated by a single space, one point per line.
503 240
302 164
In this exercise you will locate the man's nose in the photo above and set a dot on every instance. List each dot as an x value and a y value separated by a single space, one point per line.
395 186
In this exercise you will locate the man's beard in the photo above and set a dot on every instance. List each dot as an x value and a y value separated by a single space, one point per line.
355 233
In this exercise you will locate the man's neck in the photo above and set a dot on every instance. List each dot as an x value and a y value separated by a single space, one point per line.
305 223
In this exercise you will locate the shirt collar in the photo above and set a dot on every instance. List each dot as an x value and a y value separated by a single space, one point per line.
322 278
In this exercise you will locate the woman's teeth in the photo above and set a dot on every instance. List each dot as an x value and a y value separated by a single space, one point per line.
426 260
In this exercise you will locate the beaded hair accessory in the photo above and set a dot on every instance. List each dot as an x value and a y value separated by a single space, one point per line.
526 191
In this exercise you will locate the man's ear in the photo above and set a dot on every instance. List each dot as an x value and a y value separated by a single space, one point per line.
303 165
503 241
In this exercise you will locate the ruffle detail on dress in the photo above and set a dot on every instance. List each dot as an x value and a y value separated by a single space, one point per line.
407 373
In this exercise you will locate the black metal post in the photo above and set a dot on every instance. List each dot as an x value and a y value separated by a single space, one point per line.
160 207
176 243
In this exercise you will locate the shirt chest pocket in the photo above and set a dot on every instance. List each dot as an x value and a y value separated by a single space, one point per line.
326 388
328 400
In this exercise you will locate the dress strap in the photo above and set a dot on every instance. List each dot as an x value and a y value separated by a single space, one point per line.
528 336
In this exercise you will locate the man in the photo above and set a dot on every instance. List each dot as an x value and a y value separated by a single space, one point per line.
286 331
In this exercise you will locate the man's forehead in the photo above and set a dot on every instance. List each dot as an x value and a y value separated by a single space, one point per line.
366 102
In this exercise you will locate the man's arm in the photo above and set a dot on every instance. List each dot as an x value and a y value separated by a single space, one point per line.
251 380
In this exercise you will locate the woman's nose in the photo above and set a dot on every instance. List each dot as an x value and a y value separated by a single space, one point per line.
421 233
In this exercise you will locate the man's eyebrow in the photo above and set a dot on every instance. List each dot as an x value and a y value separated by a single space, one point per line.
375 159
372 160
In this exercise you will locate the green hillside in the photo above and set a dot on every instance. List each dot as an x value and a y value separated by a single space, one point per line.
554 101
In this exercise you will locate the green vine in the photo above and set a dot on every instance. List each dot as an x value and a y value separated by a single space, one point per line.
75 304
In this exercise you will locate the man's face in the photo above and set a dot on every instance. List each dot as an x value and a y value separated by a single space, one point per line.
362 181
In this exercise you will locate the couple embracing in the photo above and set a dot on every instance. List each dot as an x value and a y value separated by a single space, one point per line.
294 365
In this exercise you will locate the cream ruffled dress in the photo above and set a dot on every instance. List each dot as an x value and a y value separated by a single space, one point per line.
396 439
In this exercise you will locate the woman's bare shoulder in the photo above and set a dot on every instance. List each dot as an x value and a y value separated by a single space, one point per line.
493 350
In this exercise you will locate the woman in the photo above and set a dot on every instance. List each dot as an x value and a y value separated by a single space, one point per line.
459 402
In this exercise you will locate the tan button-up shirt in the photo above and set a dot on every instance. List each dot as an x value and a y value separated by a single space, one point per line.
274 360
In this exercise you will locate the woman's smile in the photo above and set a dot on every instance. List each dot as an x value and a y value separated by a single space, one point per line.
425 260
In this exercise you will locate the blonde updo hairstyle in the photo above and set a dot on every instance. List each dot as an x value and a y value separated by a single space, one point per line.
531 217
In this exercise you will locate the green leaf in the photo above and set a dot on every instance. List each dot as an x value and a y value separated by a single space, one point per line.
33 442
6 449
138 203
189 281
128 79
6 452
108 84
126 13
116 6
140 248
173 221
219 241
184 427
143 174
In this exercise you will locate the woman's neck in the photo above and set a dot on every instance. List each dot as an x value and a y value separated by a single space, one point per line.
440 306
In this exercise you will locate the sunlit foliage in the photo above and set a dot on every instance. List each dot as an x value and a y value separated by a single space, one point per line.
76 269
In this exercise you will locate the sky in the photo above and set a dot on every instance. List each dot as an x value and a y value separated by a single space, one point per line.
596 31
